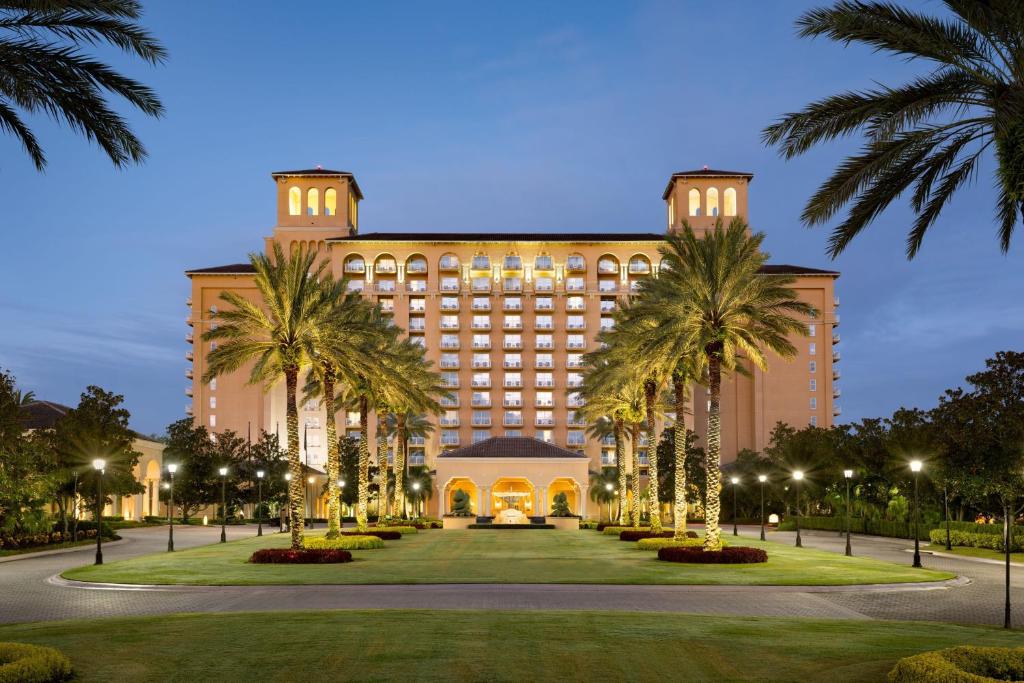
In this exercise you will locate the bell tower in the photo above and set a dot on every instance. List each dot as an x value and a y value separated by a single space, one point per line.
317 200
703 196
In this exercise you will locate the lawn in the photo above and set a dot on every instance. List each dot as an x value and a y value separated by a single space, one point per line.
488 556
975 552
386 645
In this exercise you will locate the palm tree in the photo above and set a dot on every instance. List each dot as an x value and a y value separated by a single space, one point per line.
279 336
932 132
600 428
43 69
421 487
404 427
600 492
383 432
711 296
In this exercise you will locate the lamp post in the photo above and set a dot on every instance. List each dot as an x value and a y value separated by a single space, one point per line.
848 475
762 478
312 502
99 464
945 504
609 487
798 477
341 491
735 483
223 505
259 502
288 485
416 488
171 469
915 467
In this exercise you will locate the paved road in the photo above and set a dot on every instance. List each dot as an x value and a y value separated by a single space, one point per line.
29 591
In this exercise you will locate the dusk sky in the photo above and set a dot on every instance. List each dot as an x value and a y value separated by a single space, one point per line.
469 116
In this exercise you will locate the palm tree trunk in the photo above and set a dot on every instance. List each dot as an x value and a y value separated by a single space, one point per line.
363 505
382 463
620 463
650 396
295 487
713 504
333 458
635 437
400 440
679 511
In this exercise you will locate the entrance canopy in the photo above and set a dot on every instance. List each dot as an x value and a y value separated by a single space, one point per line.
513 476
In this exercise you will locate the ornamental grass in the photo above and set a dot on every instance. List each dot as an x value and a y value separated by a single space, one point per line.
23 663
965 664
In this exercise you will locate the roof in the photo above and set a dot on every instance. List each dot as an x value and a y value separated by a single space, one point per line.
511 447
502 237
232 269
44 414
705 173
785 269
320 172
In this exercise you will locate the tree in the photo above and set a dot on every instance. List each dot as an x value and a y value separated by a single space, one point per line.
600 492
279 336
22 485
421 486
266 455
43 69
195 483
931 133
711 296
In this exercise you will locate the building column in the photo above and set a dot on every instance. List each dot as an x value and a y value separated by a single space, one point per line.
583 501
543 507
442 496
480 502
487 501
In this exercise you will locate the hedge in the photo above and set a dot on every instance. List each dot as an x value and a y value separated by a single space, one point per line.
347 542
739 555
977 540
659 543
43 539
631 535
400 529
616 530
511 526
22 663
858 525
965 664
289 556
382 534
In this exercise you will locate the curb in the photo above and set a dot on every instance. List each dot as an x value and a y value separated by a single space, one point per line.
60 551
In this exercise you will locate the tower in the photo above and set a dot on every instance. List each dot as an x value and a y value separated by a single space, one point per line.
316 204
700 197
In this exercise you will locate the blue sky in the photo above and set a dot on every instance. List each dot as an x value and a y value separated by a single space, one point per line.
467 116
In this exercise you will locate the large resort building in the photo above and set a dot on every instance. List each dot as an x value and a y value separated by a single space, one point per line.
506 317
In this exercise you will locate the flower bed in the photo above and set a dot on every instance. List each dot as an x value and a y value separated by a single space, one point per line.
739 555
347 542
961 665
20 662
631 535
382 534
289 556
659 543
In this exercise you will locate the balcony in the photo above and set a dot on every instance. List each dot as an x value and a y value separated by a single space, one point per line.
512 285
544 422
575 364
512 325
450 306
579 443
835 337
481 383
543 263
451 383
543 286
450 401
188 410
481 344
189 356
386 267
450 345
606 325
480 403
544 383
574 383
484 286
836 392
512 403
513 384
576 307
449 422
575 421
482 421
450 440
510 421
835 322
449 325
539 403
416 267
418 440
836 374
481 305
836 356
575 265
575 345
608 286
512 364
577 326
543 364
575 286
576 403
355 267
417 328
607 306
544 325
450 364
356 286
416 286
512 305
189 338
608 268
481 364
545 345
513 263
481 263
835 302
189 321
513 345
188 390
188 374
384 287
188 301
836 411
639 267
450 286
415 307
448 264
544 306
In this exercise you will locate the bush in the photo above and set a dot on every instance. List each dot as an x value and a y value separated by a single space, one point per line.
631 535
382 534
616 530
971 539
426 523
400 529
22 663
347 542
511 526
289 556
739 555
588 524
659 543
961 665
858 525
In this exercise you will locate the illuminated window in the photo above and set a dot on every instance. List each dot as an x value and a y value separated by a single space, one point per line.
294 201
213 420
729 199
712 208
312 202
213 402
331 202
694 202
671 212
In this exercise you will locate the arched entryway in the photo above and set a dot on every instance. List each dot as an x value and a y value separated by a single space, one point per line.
513 499
573 493
465 484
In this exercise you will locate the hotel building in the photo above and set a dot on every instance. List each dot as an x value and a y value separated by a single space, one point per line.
506 318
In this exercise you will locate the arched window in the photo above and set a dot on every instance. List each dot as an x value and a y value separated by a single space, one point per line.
729 199
712 201
694 202
312 201
294 201
330 202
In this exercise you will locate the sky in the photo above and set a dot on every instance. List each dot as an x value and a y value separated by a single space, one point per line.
468 116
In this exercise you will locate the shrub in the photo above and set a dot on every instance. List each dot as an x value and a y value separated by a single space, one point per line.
382 534
616 530
961 665
659 543
631 535
511 526
406 529
739 555
972 539
588 524
858 525
289 556
347 542
22 663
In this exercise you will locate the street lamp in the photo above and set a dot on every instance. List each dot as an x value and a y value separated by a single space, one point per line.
171 469
915 467
288 485
848 475
609 487
341 504
99 464
798 477
416 488
223 505
312 502
735 483
762 478
259 502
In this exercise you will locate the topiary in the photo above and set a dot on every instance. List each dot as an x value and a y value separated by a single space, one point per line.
560 506
961 665
461 504
355 542
23 663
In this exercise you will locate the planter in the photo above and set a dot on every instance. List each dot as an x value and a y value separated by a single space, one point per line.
564 523
457 522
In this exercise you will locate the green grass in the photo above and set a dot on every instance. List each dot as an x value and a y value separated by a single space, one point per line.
388 645
484 556
975 552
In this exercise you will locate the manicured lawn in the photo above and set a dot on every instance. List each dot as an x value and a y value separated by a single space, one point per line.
498 646
487 556
975 552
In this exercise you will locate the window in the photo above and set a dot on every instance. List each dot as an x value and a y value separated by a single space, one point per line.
544 284
814 420
513 263
575 341
213 384
481 399
576 263
313 423
513 360
481 341
449 284
481 284
294 201
481 360
513 322
449 361
416 264
449 262
545 341
694 202
671 212
814 403
481 379
545 435
544 322
417 458
313 439
213 420
607 324
449 437
544 379
450 322
812 330
387 305
543 360
450 418
513 417
481 262
213 402
574 379
513 379
312 202
813 366
812 349
481 303
545 399
481 322
575 322
449 341
729 198
449 303
608 266
417 304
574 284
330 202
575 303
814 385
543 303
513 341
512 303
543 263
574 360
481 435
512 284
450 379
513 399
545 417
712 208
576 438
514 432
